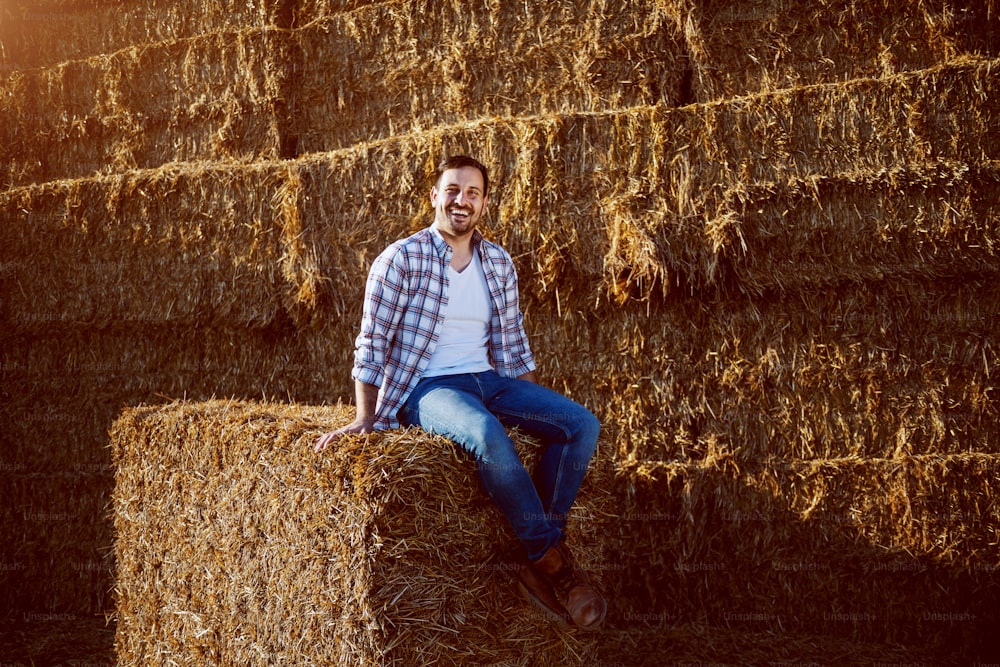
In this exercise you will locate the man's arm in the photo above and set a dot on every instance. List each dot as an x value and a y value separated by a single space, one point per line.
365 397
528 377
383 307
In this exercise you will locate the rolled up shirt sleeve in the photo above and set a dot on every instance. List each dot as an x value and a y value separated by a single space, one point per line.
384 304
509 349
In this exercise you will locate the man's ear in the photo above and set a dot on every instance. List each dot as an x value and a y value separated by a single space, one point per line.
434 195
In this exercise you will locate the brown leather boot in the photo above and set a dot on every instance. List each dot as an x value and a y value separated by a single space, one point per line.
572 587
537 589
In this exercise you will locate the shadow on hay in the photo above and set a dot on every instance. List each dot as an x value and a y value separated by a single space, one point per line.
716 548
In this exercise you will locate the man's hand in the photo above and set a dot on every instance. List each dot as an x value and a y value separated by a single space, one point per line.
357 426
528 377
364 417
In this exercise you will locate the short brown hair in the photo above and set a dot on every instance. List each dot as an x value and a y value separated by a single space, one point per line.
459 161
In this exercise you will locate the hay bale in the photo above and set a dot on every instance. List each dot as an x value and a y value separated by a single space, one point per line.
890 551
187 244
930 222
675 179
395 68
56 563
382 550
44 33
867 125
217 96
174 88
877 369
777 44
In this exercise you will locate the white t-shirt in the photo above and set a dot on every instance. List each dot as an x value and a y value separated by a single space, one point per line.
462 345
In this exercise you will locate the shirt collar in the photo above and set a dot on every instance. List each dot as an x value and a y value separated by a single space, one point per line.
442 246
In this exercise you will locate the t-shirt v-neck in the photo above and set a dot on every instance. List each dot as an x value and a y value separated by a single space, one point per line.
464 331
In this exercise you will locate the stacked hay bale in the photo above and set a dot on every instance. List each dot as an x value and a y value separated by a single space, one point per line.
207 97
759 243
43 33
390 69
235 543
119 290
777 44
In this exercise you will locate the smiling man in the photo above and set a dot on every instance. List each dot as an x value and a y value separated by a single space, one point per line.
443 347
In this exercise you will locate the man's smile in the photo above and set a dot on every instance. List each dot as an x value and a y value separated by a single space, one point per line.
462 213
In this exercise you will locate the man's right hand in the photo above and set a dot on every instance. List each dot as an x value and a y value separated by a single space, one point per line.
364 415
357 426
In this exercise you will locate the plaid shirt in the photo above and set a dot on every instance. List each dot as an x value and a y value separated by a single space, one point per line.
407 288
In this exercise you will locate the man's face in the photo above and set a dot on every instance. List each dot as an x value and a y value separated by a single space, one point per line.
459 201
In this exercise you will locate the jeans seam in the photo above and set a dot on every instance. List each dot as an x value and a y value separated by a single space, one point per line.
558 481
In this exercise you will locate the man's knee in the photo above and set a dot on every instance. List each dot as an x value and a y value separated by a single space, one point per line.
488 439
586 429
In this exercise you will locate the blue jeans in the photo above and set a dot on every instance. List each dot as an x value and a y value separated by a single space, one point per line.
475 409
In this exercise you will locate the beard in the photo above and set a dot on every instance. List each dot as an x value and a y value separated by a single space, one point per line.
458 220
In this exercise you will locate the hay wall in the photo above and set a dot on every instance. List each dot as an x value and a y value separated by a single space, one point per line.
897 550
659 167
43 33
266 92
776 44
217 96
643 223
383 550
187 244
283 247
813 376
926 223
405 67
301 80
